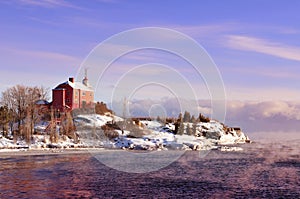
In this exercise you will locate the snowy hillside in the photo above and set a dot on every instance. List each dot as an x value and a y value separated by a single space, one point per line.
156 136
104 131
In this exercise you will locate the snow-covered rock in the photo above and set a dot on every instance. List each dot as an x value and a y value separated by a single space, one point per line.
93 120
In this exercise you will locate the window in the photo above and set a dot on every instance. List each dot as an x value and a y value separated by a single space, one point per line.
68 100
83 93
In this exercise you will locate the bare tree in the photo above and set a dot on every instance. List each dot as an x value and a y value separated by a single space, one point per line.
21 100
52 125
14 99
68 127
5 118
34 94
27 128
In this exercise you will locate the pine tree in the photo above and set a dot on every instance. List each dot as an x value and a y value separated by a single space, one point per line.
181 128
193 119
194 128
188 130
179 117
186 116
177 123
158 119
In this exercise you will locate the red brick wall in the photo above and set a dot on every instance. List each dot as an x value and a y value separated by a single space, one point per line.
87 97
73 98
62 96
76 98
58 97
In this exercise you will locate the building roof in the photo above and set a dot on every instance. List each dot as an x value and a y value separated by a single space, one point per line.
42 102
77 85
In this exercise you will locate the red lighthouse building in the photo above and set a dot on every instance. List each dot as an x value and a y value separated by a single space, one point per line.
71 95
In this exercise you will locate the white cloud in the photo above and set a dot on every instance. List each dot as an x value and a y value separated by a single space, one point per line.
253 110
48 3
205 30
264 115
263 46
204 110
45 55
271 109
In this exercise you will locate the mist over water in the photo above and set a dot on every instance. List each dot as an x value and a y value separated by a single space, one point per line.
274 137
267 168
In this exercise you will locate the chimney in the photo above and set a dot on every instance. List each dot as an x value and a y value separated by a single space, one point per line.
71 79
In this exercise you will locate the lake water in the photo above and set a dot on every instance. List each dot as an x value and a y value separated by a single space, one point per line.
262 170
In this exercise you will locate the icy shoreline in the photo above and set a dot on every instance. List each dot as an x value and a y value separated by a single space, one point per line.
91 151
153 136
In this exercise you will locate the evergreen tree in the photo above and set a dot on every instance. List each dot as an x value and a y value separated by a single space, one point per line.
179 117
158 119
188 130
193 119
186 116
177 123
181 128
194 128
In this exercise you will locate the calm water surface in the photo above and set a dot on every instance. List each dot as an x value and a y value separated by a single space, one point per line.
262 170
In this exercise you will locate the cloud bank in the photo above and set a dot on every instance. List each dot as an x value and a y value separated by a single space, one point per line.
252 116
264 116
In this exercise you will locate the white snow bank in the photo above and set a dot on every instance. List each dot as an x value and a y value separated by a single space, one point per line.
226 148
151 124
94 120
6 143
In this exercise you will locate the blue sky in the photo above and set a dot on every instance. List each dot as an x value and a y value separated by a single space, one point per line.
255 44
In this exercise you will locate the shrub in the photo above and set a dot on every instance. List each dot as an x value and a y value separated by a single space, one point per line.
202 118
